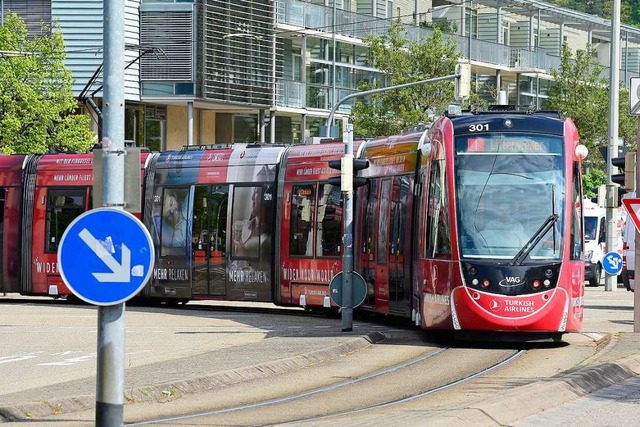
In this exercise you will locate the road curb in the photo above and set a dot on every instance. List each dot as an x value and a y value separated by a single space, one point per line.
546 394
174 390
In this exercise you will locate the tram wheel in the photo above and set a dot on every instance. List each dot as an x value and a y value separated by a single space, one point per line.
595 279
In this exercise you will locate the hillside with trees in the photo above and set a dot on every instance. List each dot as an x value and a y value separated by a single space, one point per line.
629 9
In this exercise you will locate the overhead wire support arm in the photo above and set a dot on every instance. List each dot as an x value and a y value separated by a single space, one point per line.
458 76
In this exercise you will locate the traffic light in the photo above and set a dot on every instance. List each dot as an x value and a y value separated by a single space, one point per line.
627 167
347 165
463 82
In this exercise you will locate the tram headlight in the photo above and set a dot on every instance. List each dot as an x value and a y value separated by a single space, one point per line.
536 284
548 273
581 152
588 255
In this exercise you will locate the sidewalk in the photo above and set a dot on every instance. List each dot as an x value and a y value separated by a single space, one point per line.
608 321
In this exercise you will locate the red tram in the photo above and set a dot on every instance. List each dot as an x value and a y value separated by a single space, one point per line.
309 221
505 192
474 224
56 188
10 224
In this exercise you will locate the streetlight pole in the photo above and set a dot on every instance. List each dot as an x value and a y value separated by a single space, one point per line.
610 282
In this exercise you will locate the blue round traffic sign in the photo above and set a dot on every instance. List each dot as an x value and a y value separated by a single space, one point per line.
106 256
612 263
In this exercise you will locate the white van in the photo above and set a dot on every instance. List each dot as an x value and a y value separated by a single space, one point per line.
595 227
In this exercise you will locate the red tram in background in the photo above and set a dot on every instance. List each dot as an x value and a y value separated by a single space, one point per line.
57 188
10 224
472 224
309 221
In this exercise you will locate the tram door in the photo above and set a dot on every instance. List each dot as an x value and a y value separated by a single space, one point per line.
399 280
209 237
369 238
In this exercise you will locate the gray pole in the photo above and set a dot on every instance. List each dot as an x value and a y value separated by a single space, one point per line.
333 58
347 241
110 372
636 295
190 123
614 86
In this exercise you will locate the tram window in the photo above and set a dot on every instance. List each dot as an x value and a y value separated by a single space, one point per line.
174 230
383 222
576 218
302 213
439 229
251 232
63 206
370 230
329 221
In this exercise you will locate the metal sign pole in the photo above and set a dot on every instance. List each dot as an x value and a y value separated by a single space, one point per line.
610 282
347 241
636 292
111 328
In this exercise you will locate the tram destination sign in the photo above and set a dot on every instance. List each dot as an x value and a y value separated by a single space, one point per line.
106 256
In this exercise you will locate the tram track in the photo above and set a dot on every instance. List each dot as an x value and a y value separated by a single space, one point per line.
274 410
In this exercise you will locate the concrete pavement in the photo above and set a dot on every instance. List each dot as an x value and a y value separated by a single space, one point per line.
608 321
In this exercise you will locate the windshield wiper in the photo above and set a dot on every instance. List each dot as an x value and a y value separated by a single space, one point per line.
534 240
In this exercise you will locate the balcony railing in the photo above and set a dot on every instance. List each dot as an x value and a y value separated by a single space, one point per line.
294 94
320 18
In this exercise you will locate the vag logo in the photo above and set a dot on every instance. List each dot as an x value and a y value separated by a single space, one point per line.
510 281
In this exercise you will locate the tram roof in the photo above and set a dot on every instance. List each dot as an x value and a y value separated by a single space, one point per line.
232 155
548 122
11 166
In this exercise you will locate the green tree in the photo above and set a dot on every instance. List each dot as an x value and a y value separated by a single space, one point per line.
37 105
581 93
400 61
592 180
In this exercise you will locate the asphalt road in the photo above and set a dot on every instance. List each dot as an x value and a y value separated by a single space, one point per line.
48 351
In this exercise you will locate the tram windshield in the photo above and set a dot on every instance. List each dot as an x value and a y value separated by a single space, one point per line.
510 194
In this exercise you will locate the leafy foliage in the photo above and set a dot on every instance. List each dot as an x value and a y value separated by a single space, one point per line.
581 93
403 61
592 180
36 98
629 9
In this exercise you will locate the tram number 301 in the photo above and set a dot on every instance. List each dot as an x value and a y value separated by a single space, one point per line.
479 127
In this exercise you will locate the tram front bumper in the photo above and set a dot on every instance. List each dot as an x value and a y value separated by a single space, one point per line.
540 312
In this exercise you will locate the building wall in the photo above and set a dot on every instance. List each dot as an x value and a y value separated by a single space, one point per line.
206 127
81 26
132 38
81 23
407 9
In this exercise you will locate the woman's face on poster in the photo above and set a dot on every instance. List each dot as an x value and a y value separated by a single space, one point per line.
172 209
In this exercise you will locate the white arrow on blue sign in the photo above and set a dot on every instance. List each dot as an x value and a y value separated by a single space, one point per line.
106 256
612 263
